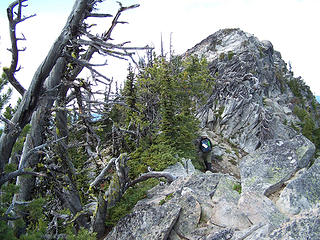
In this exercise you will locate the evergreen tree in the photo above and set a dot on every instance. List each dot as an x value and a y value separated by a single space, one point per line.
129 93
5 94
184 86
168 104
166 96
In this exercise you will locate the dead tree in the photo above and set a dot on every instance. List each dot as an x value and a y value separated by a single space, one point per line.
32 95
14 19
118 185
50 85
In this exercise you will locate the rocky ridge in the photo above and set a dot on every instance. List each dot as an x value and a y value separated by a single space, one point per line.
267 185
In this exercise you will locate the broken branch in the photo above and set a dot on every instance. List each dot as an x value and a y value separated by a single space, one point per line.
103 173
100 15
153 174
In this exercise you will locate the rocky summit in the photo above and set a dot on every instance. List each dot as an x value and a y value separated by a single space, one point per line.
262 121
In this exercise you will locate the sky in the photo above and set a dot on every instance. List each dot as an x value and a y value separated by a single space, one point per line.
291 25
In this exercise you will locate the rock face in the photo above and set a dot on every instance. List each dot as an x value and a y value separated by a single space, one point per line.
307 226
301 193
147 222
277 161
255 95
206 206
185 204
268 181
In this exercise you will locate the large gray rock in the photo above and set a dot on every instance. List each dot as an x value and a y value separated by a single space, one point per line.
181 169
176 211
261 210
255 232
225 211
205 206
302 193
302 227
147 222
190 214
224 234
265 170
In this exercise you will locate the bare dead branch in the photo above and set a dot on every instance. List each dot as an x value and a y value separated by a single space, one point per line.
7 218
87 65
21 50
128 131
9 125
170 178
22 39
31 97
110 53
98 73
84 62
108 93
37 150
100 15
27 17
105 83
122 22
98 42
7 177
14 19
103 173
107 35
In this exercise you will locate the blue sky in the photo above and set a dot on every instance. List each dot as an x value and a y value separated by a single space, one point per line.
42 5
291 25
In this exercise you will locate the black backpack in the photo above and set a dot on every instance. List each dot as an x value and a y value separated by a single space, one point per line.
205 145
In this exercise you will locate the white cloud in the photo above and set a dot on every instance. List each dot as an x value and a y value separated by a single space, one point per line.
291 25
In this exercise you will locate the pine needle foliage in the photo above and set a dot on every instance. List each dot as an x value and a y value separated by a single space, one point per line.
161 102
5 93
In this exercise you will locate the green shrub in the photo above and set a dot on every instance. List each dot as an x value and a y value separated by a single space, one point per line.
6 232
221 56
314 103
237 187
230 55
128 201
300 113
157 156
166 199
316 137
261 52
295 87
83 234
308 128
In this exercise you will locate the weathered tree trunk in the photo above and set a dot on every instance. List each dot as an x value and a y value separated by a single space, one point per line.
31 97
36 137
70 197
118 185
112 195
36 106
